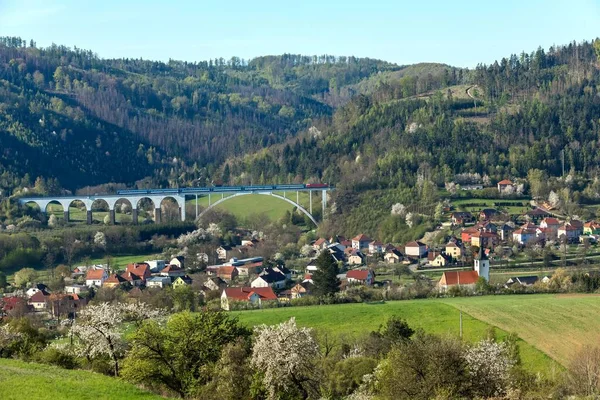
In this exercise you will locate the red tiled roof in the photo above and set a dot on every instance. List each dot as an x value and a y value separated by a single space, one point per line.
414 243
114 278
459 277
171 268
244 293
320 241
505 182
39 297
362 238
551 221
94 274
358 274
226 271
140 269
130 276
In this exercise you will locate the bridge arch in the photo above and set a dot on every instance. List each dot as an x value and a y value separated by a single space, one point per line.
143 208
298 206
170 208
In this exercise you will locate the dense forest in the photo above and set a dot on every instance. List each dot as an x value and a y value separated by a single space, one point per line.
358 123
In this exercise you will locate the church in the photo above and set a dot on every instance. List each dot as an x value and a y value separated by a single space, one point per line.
467 279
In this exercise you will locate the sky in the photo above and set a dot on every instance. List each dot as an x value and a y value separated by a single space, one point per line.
462 33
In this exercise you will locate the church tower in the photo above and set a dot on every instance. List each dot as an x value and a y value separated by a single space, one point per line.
482 264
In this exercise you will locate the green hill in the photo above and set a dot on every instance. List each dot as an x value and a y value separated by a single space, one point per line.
552 327
22 381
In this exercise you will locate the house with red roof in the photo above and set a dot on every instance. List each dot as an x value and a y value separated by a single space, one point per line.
320 244
38 300
133 279
95 277
462 279
172 271
254 296
361 276
570 231
140 269
65 304
505 185
227 273
115 280
376 247
361 242
551 225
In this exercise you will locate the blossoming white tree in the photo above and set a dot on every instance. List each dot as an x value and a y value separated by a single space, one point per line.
410 221
213 230
99 328
100 239
399 209
489 365
286 354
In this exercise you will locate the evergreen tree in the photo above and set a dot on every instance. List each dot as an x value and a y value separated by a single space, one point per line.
325 277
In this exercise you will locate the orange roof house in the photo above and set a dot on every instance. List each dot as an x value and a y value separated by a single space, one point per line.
246 294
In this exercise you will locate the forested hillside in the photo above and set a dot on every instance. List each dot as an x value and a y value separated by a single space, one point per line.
177 122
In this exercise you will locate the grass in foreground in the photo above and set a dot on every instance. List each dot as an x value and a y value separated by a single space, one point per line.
21 380
432 315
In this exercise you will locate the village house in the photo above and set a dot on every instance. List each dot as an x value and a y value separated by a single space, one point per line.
156 265
227 273
462 217
224 253
440 260
485 239
75 289
505 186
172 271
591 228
65 304
115 280
248 269
9 303
361 242
140 269
524 235
246 294
466 234
454 250
356 258
179 261
488 214
570 232
320 244
36 288
158 282
521 280
182 281
361 276
300 290
133 279
214 284
392 256
269 278
537 214
505 231
415 249
38 300
95 277
376 247
311 266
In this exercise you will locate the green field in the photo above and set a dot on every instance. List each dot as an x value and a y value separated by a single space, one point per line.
21 380
489 203
440 316
244 206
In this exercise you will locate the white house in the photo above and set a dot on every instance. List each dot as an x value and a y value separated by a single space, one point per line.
415 249
158 281
179 261
156 265
95 277
524 235
362 276
361 242
75 289
269 278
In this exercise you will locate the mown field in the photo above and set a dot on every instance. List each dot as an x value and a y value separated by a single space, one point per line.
244 206
439 316
476 205
21 380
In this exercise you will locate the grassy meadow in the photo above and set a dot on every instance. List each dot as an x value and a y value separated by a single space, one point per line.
439 316
21 380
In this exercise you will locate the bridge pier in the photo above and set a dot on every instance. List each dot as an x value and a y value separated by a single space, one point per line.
182 212
310 201
134 216
66 215
112 216
157 215
196 208
323 203
89 217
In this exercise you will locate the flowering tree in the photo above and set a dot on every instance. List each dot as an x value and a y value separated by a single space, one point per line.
213 230
306 250
286 354
100 239
489 365
451 187
399 209
99 328
191 238
410 221
554 199
52 221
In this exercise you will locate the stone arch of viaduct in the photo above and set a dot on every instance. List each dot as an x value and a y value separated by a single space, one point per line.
111 200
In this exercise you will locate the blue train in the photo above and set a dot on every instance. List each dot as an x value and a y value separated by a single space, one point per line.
221 189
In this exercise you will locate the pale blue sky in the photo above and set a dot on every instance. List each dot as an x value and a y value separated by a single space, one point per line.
459 32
